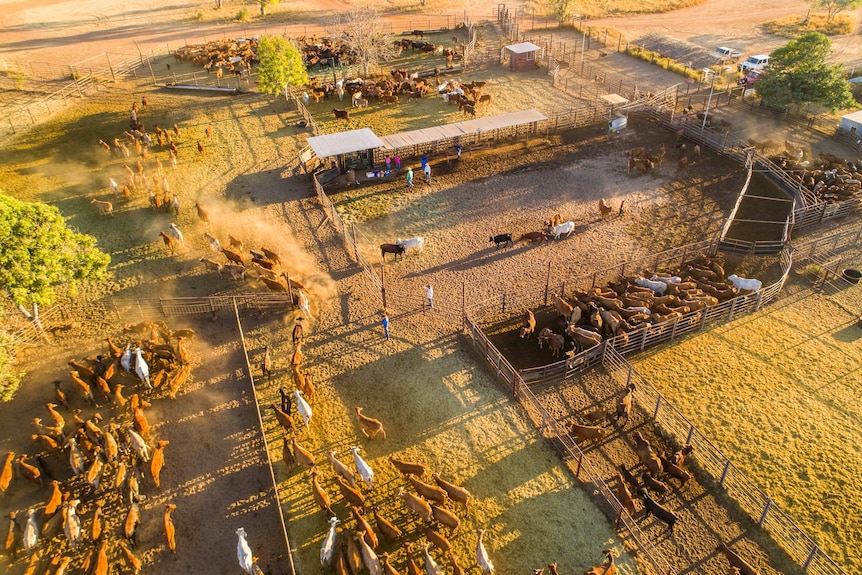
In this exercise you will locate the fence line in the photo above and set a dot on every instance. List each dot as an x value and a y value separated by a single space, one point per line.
265 442
102 315
28 115
719 467
750 498
553 431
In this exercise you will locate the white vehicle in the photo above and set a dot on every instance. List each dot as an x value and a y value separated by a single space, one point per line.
724 53
754 63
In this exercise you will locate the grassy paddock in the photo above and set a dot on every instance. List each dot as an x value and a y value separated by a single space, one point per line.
794 26
785 417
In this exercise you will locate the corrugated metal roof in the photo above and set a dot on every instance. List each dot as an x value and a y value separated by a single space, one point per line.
614 99
522 48
425 135
344 142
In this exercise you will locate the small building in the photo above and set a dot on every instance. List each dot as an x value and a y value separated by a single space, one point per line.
851 123
522 56
347 150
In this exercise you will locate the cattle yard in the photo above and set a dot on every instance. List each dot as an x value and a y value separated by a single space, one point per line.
437 407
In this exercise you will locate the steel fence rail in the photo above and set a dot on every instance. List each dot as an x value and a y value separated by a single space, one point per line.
257 407
552 431
715 464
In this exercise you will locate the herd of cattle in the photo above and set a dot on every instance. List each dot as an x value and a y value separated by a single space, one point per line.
359 547
826 178
634 302
658 468
93 469
466 95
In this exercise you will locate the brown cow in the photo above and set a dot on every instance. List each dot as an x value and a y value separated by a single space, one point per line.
534 237
341 114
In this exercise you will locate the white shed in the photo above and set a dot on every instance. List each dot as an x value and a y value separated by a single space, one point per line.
851 122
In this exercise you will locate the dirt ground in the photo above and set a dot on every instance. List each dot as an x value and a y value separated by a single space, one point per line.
439 407
215 465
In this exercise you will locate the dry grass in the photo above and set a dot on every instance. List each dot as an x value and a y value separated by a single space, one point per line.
794 26
784 415
600 8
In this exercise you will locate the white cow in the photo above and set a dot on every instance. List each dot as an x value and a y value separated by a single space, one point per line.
482 557
243 552
363 468
328 547
670 280
302 407
743 283
139 445
656 286
72 524
31 531
141 368
411 243
175 232
564 228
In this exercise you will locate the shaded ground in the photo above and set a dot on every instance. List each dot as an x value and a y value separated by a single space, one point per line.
706 514
215 469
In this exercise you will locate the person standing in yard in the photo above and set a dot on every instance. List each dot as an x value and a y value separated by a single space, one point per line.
388 163
458 148
429 295
397 162
385 323
428 172
410 177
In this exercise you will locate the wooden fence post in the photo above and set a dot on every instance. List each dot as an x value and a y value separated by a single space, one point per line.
811 556
353 233
657 407
289 288
548 282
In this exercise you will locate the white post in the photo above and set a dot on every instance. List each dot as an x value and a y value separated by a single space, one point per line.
708 101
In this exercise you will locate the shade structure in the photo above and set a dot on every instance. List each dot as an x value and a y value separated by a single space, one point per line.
344 143
522 48
435 133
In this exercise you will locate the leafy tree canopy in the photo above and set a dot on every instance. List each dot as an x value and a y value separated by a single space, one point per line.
562 9
798 74
833 7
38 252
280 64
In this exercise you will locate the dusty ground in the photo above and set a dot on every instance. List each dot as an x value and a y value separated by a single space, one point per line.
216 471
425 362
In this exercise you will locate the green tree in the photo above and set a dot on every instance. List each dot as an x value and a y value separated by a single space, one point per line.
38 253
833 7
280 65
561 9
798 74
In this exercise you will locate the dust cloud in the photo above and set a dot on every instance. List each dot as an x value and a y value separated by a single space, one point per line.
265 228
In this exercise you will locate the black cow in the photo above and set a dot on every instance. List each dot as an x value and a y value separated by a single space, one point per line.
652 507
391 249
503 239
